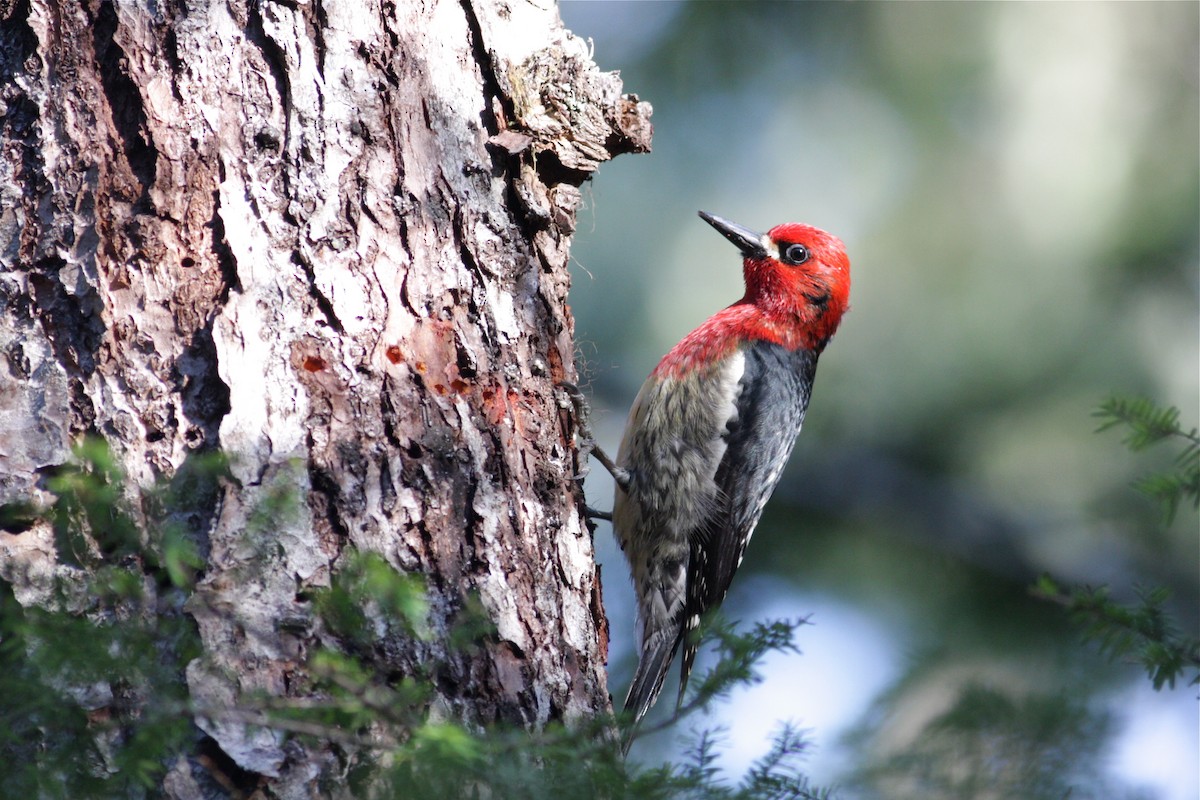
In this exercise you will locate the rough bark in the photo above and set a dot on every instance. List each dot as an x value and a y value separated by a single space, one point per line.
329 239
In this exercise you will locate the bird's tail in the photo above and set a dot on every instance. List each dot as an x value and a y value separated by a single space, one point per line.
658 651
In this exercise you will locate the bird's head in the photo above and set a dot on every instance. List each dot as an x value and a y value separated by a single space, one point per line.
798 276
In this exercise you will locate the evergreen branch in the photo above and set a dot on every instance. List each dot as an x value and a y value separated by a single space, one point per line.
1148 425
1142 631
740 654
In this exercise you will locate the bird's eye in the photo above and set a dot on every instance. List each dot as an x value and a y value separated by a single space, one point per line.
796 254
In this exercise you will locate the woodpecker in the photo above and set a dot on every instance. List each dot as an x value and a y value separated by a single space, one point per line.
709 434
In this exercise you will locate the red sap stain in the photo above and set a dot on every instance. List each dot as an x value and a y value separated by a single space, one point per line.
394 354
315 363
502 405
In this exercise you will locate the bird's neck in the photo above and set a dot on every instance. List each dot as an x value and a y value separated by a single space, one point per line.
809 326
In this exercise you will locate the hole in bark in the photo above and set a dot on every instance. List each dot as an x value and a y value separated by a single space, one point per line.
553 172
187 263
223 769
268 139
17 517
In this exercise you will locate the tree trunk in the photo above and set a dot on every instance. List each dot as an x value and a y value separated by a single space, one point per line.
329 239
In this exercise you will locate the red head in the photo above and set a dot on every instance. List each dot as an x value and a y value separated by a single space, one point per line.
797 278
797 289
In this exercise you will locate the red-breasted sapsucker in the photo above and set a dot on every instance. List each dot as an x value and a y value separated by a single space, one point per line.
710 432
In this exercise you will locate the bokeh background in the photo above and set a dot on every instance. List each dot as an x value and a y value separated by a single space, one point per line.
1017 186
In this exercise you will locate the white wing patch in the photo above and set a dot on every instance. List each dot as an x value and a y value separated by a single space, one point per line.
729 391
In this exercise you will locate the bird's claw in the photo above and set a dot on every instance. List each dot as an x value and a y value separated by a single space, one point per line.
595 513
587 441
583 412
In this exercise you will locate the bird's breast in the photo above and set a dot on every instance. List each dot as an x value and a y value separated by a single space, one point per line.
674 441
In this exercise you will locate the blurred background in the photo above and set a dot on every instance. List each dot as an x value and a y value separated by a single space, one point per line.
1017 186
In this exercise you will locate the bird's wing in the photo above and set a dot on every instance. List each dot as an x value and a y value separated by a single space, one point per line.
674 443
775 388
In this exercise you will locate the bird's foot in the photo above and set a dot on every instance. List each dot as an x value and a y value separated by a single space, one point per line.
595 513
587 440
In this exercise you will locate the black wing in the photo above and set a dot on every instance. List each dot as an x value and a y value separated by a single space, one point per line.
776 386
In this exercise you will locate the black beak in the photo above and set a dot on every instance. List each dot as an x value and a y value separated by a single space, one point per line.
744 239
